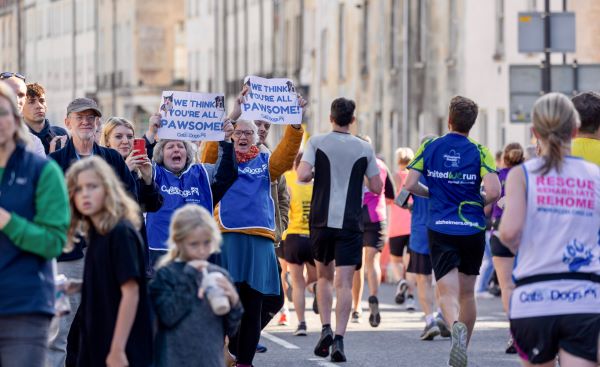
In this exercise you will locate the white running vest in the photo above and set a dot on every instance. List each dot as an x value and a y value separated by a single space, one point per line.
561 235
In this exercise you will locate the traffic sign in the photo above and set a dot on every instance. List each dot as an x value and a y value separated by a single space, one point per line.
531 32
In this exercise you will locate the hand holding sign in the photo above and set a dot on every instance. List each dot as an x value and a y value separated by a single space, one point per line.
271 100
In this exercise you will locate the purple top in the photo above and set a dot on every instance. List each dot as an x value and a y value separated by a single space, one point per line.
496 210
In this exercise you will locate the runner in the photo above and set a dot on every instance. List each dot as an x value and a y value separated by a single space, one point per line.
455 166
399 233
297 244
374 215
340 163
552 218
419 265
502 257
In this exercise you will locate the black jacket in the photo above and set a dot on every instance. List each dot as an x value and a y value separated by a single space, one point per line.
66 156
48 133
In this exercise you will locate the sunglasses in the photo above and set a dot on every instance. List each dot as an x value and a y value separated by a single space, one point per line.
8 74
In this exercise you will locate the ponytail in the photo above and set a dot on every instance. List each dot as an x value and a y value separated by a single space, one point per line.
553 158
554 120
513 155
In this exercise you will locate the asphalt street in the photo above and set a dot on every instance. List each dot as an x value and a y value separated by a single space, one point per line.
394 343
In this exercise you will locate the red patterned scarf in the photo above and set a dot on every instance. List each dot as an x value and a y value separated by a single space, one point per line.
250 155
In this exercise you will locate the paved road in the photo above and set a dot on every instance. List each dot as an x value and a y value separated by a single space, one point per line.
394 343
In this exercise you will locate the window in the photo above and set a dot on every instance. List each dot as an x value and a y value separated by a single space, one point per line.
324 55
364 49
341 43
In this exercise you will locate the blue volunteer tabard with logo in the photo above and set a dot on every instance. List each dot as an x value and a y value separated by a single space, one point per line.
248 202
454 166
191 187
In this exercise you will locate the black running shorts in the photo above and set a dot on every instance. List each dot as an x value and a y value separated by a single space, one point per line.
419 263
341 245
498 249
397 245
538 339
464 252
297 249
374 235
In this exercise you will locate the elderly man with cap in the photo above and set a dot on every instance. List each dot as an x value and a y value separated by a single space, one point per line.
82 118
17 82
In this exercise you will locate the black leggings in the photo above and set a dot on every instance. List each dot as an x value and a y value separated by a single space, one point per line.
243 344
258 311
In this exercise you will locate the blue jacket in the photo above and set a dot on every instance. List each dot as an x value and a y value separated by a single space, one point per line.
48 133
26 279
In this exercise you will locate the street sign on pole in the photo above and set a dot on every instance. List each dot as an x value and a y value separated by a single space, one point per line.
531 32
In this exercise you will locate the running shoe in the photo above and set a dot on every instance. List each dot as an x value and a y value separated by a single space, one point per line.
261 348
283 318
401 291
337 351
458 351
301 329
356 317
431 331
322 347
315 304
411 305
510 346
441 323
374 317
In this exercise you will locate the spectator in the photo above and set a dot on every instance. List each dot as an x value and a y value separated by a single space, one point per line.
246 217
34 114
82 116
17 82
117 133
34 219
114 316
177 296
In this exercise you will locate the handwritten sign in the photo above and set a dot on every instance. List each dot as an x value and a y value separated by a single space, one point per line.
192 116
271 100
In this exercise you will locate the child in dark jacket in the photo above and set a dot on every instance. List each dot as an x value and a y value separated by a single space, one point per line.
189 332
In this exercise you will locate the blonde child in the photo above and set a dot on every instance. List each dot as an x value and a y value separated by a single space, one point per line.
189 333
114 319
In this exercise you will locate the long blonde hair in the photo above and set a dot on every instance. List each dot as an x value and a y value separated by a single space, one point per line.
554 119
118 204
183 222
110 125
21 132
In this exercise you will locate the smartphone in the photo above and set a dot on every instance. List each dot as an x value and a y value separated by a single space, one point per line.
140 146
402 198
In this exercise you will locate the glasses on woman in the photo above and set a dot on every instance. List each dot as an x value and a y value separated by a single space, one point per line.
8 75
238 133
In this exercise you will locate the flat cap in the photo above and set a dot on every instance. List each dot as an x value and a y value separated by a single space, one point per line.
83 104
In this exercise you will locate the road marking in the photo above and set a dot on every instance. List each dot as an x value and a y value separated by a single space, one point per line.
279 341
323 362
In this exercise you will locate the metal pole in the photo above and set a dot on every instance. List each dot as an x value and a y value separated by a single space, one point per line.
546 75
405 60
74 50
564 9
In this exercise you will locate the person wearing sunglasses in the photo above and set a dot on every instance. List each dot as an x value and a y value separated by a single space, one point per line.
16 82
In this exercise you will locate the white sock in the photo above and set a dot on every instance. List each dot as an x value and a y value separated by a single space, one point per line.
429 319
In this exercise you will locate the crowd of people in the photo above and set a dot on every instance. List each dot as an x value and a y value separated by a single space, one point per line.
116 248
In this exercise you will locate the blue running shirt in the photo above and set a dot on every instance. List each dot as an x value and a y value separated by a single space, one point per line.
454 166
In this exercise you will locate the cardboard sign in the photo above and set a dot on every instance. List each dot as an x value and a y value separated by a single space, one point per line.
271 100
192 116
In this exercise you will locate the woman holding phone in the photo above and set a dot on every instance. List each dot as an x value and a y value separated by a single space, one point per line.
118 133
